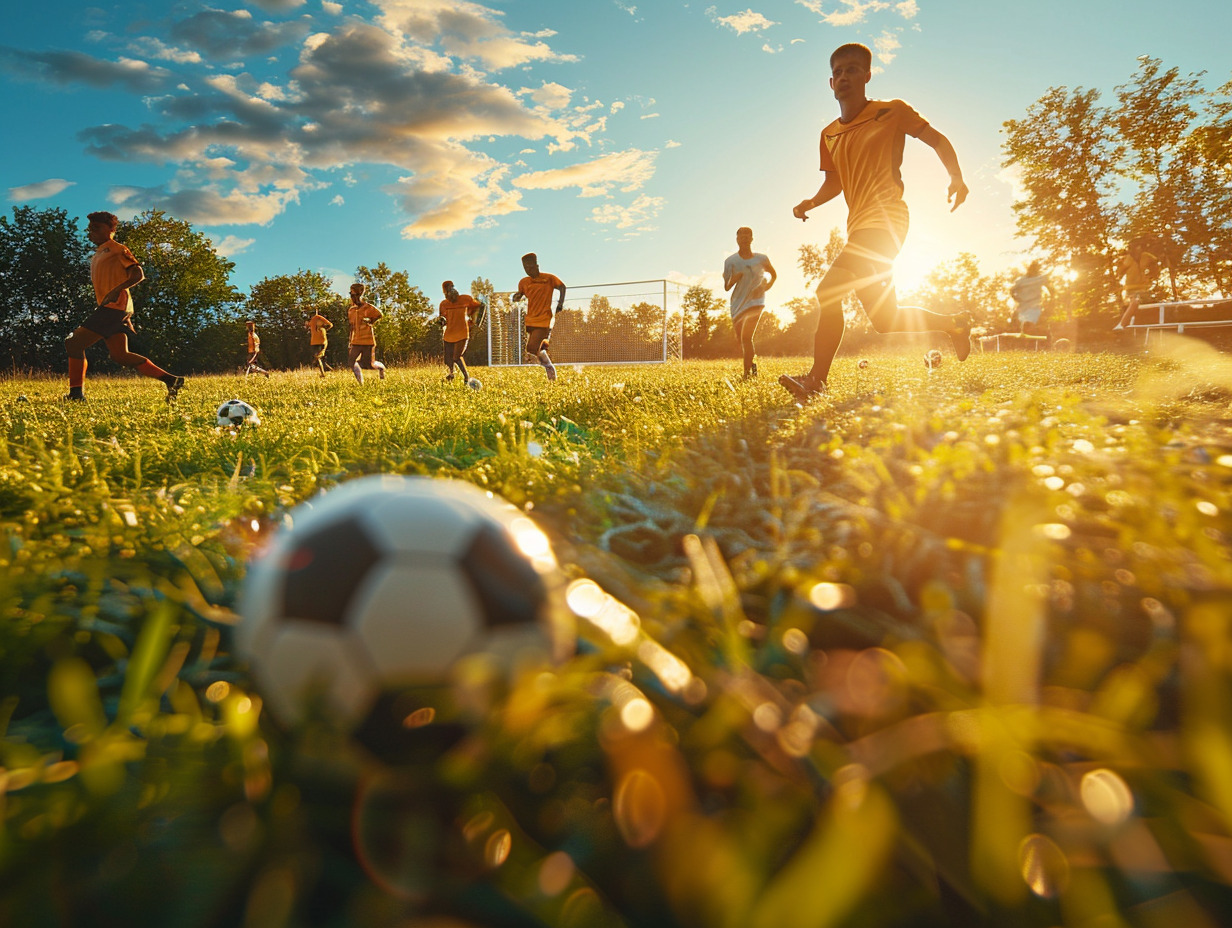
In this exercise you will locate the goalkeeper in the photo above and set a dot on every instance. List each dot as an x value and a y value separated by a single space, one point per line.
537 288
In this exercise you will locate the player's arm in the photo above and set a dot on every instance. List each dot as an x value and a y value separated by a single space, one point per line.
774 275
957 191
560 304
372 314
135 276
829 189
730 276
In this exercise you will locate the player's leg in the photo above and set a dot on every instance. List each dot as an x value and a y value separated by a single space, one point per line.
319 358
745 325
459 349
1132 298
354 353
449 360
117 345
537 348
76 345
374 364
829 335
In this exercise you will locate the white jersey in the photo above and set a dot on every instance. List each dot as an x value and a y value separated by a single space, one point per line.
754 269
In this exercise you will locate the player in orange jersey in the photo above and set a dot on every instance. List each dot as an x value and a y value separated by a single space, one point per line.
317 325
113 272
361 315
861 156
254 351
537 288
457 314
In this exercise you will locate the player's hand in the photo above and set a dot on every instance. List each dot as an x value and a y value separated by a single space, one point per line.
957 192
800 210
560 306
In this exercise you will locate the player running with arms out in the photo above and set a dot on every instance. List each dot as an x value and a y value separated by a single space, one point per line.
317 325
1137 269
254 351
744 273
537 289
361 315
113 272
861 156
457 315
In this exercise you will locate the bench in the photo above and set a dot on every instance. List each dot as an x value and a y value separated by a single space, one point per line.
1013 340
1188 314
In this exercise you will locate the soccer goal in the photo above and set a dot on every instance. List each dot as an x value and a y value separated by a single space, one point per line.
632 322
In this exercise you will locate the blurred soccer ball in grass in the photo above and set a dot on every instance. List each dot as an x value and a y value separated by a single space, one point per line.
235 413
474 383
863 363
381 589
932 360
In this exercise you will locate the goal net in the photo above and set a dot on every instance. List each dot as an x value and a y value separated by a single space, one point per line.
633 322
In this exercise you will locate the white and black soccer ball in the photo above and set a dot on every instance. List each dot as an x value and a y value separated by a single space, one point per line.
385 584
235 413
475 384
932 360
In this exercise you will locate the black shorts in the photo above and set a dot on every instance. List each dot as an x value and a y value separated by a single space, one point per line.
318 351
537 338
455 350
106 322
362 354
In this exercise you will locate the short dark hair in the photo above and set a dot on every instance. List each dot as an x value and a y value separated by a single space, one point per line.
446 284
744 229
531 257
103 216
863 52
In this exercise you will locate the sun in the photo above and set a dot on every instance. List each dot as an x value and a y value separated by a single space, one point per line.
913 265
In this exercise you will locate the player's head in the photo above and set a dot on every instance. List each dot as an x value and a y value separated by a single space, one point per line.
530 263
1033 269
851 66
744 235
446 286
251 323
357 291
102 226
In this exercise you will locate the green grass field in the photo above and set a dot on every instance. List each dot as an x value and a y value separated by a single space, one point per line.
959 651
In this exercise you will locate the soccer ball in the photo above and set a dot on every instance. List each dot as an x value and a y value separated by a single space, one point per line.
863 363
237 412
382 587
932 360
474 383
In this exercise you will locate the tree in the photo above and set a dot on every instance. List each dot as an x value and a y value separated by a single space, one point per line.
45 276
958 286
701 310
1067 154
814 262
280 306
405 332
187 290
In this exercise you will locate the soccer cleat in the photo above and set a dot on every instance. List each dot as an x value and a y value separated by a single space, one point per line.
801 387
962 337
381 372
72 397
751 373
449 377
174 386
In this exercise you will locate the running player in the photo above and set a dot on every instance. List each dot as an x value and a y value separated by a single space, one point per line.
744 273
254 351
113 272
1137 270
457 313
317 326
861 156
537 288
361 315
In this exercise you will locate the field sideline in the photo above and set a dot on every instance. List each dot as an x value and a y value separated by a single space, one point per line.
961 639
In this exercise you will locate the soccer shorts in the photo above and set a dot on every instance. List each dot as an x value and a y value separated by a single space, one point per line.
106 322
537 338
362 354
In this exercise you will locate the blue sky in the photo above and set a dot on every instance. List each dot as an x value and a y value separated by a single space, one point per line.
619 140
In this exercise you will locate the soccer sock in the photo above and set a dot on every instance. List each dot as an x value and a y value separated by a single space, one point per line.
359 375
466 375
148 368
826 341
76 373
380 369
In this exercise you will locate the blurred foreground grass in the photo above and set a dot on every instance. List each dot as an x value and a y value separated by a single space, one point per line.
947 647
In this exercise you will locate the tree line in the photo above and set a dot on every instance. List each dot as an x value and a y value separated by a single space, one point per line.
1155 163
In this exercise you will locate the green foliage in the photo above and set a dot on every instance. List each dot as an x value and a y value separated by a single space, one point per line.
45 276
944 647
281 306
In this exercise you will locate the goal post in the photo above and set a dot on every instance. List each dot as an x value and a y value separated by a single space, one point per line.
630 322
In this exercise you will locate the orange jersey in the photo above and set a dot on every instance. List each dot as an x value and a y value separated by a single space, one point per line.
458 317
361 318
108 269
1138 272
867 155
317 325
254 342
538 291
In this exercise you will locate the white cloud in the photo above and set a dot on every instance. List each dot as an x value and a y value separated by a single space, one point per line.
907 9
740 23
616 107
672 143
853 12
155 48
629 8
637 214
886 46
338 200
626 170
232 245
1012 177
40 190
333 9
551 95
